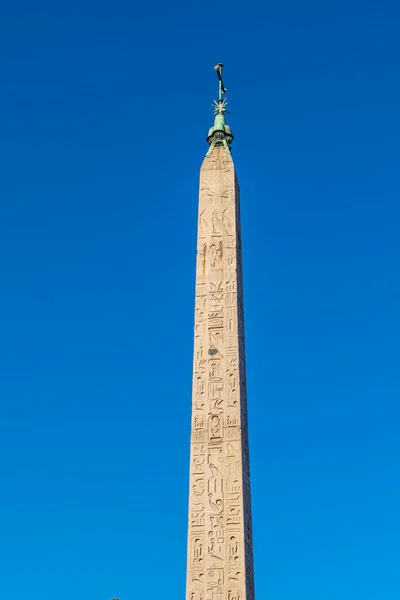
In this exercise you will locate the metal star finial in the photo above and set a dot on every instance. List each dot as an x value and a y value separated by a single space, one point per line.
220 134
219 107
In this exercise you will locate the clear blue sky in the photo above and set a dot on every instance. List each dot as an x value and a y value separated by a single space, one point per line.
104 111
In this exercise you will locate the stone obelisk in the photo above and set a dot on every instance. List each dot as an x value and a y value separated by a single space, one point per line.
220 554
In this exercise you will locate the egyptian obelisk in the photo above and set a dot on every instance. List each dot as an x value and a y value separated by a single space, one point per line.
220 552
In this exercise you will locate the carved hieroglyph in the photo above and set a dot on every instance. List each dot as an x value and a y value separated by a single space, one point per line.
220 555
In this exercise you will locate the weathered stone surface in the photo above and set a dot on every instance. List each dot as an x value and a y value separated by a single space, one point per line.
220 559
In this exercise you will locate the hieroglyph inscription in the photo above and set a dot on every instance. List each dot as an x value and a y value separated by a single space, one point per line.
220 560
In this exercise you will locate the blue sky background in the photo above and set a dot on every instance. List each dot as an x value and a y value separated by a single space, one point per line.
104 111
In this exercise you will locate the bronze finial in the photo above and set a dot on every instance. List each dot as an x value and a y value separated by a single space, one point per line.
220 134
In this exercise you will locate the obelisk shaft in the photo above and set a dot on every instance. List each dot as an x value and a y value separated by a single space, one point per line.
220 559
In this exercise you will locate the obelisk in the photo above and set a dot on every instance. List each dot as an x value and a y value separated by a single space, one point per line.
220 552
